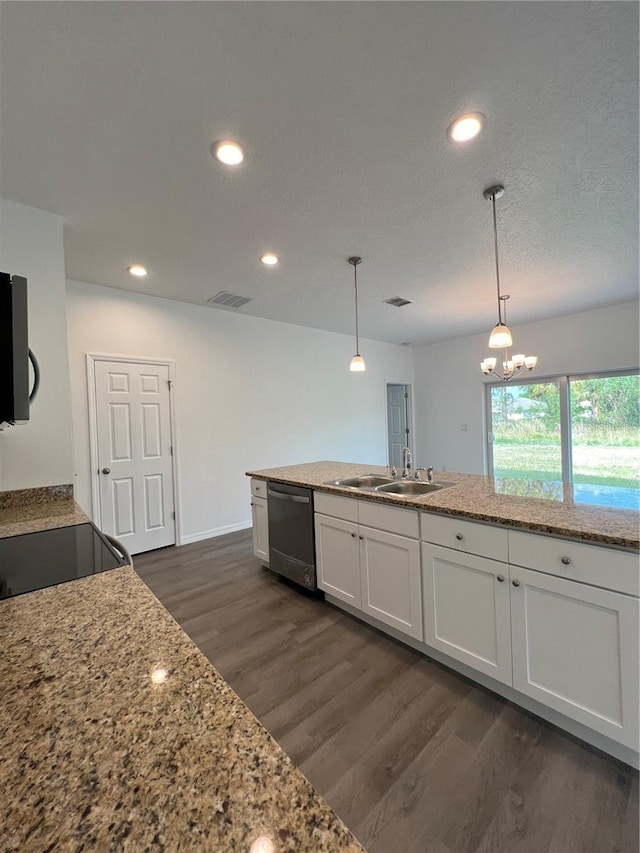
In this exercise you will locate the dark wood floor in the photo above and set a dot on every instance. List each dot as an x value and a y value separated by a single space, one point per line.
410 755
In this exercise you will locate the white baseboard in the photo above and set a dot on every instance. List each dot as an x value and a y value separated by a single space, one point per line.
217 531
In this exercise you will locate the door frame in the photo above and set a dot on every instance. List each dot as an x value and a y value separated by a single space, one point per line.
411 421
91 359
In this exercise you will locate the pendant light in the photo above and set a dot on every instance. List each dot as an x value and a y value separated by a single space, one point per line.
511 366
357 362
500 335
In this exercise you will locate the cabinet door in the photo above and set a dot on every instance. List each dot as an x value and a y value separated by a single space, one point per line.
575 649
260 519
390 573
337 558
466 609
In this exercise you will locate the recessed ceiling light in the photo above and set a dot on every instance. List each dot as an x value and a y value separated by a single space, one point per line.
138 270
269 259
228 152
466 127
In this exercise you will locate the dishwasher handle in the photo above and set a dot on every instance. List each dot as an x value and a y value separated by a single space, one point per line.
283 496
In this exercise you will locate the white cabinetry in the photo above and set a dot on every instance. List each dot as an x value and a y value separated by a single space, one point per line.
466 609
370 568
338 558
260 520
575 649
390 579
549 627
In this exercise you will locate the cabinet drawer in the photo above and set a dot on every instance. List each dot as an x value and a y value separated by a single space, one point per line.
336 506
592 564
468 536
259 488
403 522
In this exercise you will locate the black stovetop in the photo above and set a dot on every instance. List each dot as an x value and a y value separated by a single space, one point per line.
36 560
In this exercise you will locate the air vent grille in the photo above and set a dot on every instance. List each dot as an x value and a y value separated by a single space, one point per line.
398 301
229 300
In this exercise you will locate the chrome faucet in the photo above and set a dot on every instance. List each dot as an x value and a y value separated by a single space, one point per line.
406 462
429 471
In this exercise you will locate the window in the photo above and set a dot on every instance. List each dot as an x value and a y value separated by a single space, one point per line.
582 430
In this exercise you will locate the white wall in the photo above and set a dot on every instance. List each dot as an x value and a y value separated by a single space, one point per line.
449 386
250 393
39 453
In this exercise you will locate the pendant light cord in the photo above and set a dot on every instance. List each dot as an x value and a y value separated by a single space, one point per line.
495 246
355 281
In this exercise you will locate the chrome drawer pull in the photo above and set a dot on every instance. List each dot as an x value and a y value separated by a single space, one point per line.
565 561
516 583
500 578
459 537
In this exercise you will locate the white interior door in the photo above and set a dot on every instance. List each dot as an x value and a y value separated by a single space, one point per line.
134 453
397 422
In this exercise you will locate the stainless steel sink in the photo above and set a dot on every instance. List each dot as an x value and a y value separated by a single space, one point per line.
411 487
366 481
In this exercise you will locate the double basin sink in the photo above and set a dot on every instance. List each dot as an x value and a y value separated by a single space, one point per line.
387 485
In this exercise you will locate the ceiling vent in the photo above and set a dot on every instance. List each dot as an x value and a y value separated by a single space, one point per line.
398 301
229 300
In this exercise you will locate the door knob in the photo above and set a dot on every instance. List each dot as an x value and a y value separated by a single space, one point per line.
106 470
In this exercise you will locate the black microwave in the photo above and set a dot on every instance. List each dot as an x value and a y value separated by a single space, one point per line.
14 350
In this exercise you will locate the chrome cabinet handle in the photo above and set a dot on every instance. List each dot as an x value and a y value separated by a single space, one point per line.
500 578
354 535
106 470
566 561
516 583
360 537
459 537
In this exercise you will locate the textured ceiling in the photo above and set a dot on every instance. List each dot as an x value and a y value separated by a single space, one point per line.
109 111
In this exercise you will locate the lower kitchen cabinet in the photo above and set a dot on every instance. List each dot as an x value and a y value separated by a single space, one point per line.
575 649
338 558
390 576
260 521
372 570
466 609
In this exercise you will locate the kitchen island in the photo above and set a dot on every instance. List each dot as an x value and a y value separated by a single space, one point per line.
535 597
118 734
528 505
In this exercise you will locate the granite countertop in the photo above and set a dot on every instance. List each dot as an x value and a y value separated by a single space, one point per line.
119 735
32 510
515 503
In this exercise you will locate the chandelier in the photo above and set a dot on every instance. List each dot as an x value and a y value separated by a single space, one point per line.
500 334
511 366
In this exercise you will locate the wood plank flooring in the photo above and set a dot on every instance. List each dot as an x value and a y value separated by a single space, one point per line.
414 758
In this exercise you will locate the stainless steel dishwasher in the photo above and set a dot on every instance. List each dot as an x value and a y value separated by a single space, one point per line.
292 552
